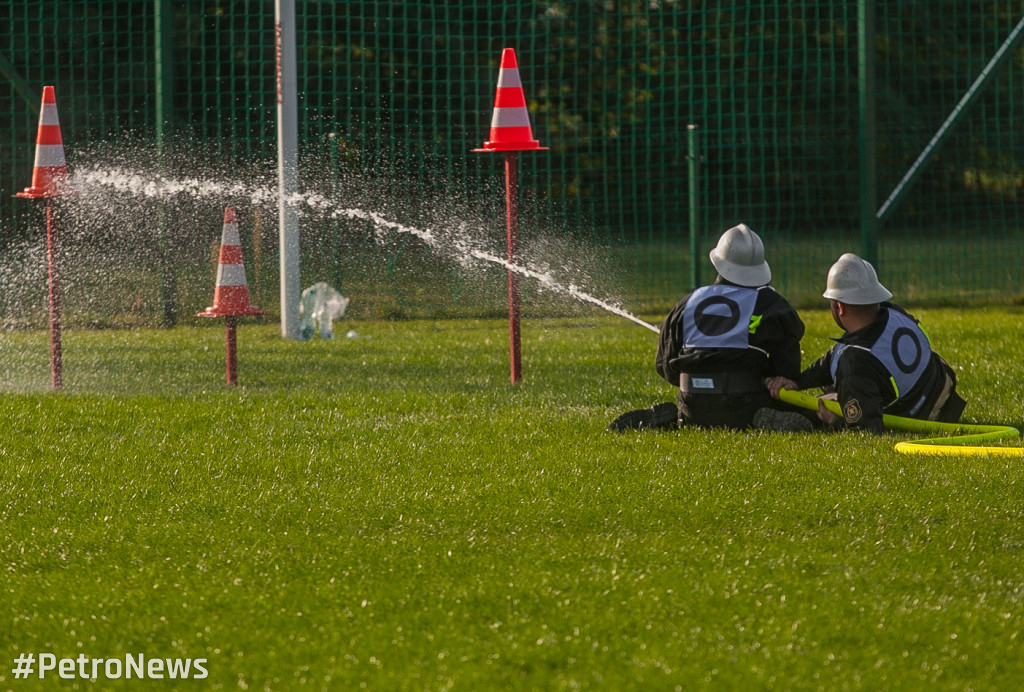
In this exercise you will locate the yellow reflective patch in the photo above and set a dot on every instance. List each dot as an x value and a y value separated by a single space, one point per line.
755 322
894 387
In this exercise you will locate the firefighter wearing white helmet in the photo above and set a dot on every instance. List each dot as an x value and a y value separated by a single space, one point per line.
721 341
882 364
853 281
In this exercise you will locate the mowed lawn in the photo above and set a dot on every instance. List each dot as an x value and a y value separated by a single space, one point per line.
387 512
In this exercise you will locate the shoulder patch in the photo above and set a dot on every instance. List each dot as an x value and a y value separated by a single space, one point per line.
852 411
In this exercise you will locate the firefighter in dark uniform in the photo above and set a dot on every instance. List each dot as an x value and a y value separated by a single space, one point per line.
721 341
882 364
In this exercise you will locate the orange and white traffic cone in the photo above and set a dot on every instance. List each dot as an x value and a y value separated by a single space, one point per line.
231 294
510 122
50 172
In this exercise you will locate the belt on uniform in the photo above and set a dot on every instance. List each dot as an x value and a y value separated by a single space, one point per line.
721 383
947 389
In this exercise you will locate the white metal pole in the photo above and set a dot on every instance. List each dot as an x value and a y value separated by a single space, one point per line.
287 166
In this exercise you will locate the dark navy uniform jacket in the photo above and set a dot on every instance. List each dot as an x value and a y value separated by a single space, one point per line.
886 367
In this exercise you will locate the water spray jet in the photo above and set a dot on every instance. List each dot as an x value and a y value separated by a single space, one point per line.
459 248
570 290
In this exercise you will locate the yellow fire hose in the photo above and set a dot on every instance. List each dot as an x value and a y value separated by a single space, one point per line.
961 443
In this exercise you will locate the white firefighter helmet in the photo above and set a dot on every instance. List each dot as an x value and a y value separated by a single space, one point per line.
853 281
739 257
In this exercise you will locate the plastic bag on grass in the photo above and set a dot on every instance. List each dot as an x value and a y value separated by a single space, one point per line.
320 305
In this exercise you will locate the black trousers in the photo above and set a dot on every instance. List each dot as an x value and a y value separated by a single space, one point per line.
734 411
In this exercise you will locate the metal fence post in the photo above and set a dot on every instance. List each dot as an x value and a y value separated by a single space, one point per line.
694 167
163 83
866 106
994 66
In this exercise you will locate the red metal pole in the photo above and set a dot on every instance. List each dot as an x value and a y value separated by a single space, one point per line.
56 359
512 217
232 350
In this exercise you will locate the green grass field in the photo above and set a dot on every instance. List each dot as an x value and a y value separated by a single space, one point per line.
388 513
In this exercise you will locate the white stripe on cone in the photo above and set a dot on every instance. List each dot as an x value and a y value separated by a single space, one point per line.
231 275
48 114
508 77
230 235
510 117
48 155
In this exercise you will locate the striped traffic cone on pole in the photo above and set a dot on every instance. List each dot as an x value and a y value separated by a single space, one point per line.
50 171
49 181
510 122
511 132
231 294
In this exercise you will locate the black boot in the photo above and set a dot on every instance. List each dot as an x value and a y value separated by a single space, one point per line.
664 415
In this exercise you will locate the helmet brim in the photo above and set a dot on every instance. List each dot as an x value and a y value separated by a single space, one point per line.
860 296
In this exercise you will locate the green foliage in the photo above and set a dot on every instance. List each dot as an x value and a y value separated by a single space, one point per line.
388 511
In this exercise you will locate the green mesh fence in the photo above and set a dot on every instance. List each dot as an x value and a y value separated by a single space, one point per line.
168 114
